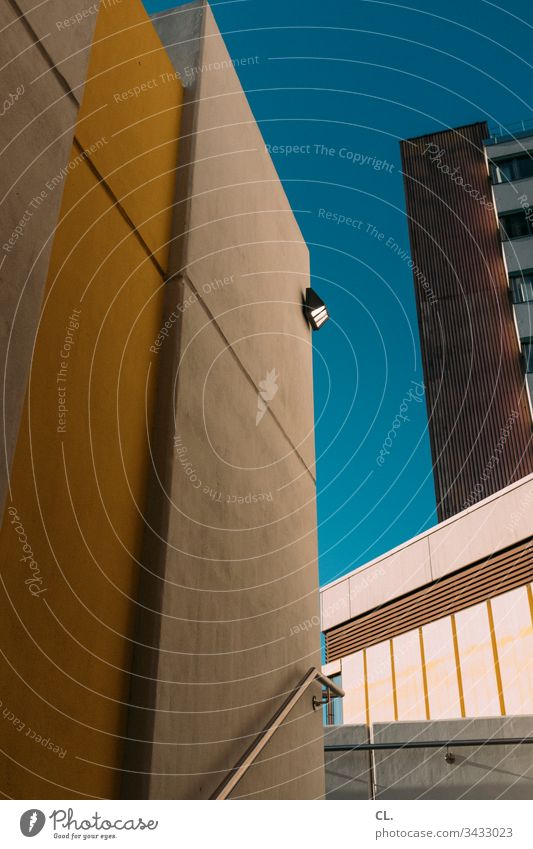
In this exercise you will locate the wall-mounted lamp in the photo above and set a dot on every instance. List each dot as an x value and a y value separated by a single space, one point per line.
315 310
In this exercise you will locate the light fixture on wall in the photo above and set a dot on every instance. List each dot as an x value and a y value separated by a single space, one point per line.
315 310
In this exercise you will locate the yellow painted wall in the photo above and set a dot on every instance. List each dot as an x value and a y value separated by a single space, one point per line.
485 670
79 480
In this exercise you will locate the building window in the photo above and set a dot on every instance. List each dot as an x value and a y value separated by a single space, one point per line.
516 224
522 287
513 168
527 350
333 709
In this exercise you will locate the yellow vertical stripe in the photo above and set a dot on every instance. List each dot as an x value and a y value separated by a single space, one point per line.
497 669
530 599
458 665
424 676
367 702
393 671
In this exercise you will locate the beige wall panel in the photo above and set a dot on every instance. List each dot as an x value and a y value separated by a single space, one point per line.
379 679
495 524
353 684
241 586
241 227
441 670
477 662
514 634
395 575
335 605
409 679
66 28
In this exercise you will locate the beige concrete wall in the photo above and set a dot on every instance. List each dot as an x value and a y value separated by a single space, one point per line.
36 133
235 499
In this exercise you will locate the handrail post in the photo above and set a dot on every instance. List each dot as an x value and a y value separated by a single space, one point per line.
252 752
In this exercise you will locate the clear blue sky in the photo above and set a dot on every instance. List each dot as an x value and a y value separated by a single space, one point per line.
360 75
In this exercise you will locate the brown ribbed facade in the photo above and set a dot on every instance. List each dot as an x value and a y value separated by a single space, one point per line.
500 573
479 419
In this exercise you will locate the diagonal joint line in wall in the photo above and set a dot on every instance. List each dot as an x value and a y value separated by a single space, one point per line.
43 51
116 202
242 367
21 16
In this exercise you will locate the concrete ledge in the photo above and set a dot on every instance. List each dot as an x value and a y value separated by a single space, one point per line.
497 522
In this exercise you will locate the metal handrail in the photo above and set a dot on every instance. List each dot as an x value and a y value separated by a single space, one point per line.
245 762
329 684
429 744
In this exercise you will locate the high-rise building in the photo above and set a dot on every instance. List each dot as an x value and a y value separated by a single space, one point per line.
475 349
158 547
433 641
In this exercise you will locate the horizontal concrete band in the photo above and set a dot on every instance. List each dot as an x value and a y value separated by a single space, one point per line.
479 582
499 522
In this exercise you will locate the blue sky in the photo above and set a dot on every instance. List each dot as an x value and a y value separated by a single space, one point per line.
350 79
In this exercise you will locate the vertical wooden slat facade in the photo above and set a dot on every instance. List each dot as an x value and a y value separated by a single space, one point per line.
479 419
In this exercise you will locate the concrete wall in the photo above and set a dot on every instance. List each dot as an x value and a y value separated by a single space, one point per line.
71 539
521 144
519 253
235 491
181 30
524 320
479 772
348 774
36 134
507 195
